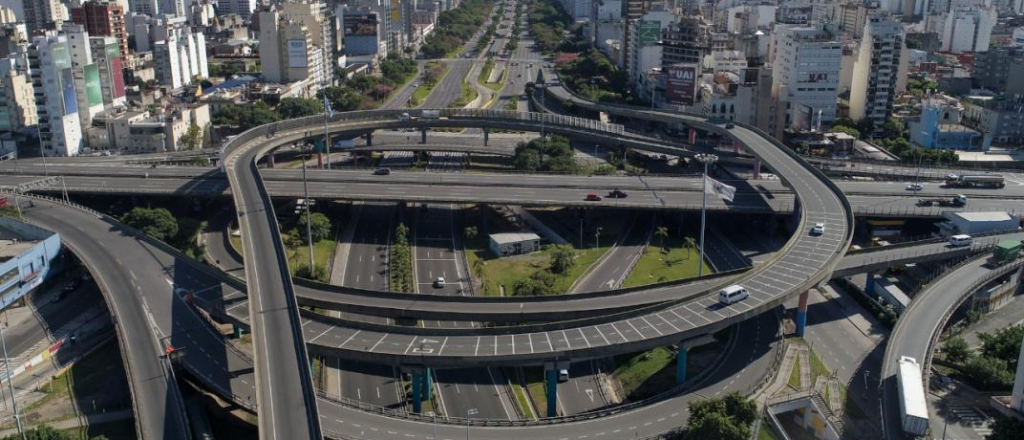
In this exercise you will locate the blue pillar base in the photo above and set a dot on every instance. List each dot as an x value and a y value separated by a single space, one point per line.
417 393
869 285
681 365
428 384
423 136
801 322
552 392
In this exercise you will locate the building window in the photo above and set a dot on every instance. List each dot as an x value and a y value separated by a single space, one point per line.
8 276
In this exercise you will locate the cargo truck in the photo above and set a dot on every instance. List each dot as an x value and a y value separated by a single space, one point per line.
978 181
913 408
957 201
1005 252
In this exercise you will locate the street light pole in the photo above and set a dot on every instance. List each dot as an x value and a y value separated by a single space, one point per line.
327 142
309 223
597 238
704 159
469 414
10 384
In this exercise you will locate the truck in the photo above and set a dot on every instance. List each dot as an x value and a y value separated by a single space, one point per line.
975 181
404 117
344 143
431 114
913 409
1005 252
958 200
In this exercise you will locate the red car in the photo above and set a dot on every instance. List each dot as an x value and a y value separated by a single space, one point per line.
593 197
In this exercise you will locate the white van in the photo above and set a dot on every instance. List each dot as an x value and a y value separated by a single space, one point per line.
732 294
960 240
563 375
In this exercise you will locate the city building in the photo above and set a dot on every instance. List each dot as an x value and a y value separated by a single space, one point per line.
851 17
877 71
975 223
27 254
244 8
43 14
1017 40
172 7
106 55
806 71
1002 121
136 132
144 7
992 70
1017 397
13 39
645 52
17 101
292 41
967 30
577 9
686 41
88 91
939 126
180 58
364 38
102 19
60 133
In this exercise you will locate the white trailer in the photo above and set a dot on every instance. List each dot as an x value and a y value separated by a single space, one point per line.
913 408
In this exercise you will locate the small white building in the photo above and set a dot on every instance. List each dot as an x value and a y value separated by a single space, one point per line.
974 223
513 243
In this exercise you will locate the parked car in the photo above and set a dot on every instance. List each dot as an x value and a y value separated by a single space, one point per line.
593 197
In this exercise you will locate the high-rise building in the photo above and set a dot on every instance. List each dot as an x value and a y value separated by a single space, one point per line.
86 75
17 103
244 8
146 7
968 29
851 17
60 133
42 14
644 52
992 70
877 71
106 55
686 41
172 7
180 57
103 19
1017 397
295 44
805 76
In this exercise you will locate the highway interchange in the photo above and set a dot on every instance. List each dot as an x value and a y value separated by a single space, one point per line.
155 287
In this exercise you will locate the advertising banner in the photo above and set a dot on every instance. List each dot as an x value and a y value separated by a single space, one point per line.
681 84
360 25
297 53
650 32
117 77
93 91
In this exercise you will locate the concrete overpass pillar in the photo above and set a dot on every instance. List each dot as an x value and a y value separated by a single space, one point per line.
692 137
681 364
428 384
869 285
423 135
757 164
551 376
417 392
369 139
801 315
270 159
237 330
319 160
487 135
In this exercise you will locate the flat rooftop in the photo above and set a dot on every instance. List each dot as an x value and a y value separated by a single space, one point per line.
996 216
12 248
513 237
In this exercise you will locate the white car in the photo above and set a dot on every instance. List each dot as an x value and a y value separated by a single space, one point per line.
439 282
914 187
818 229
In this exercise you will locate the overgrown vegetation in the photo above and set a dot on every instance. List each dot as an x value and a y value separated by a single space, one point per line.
726 418
593 76
47 433
159 223
432 75
400 262
552 153
547 20
992 367
893 138
455 26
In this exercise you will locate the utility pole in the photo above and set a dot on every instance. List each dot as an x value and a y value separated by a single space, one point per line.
10 385
309 223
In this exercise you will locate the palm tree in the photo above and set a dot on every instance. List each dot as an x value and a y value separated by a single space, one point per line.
480 273
470 233
689 243
662 233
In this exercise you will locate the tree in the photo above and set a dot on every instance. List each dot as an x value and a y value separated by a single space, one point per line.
563 258
716 426
1004 344
1006 428
480 272
245 116
956 349
662 233
402 232
690 243
319 273
192 139
527 160
291 108
725 418
157 223
988 373
320 227
470 232
343 99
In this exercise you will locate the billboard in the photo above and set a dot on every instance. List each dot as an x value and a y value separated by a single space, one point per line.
297 53
650 32
93 91
117 77
361 25
396 11
67 82
113 50
681 84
